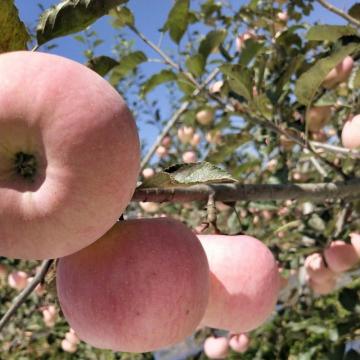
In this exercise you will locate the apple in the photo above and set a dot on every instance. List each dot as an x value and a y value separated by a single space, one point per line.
213 137
239 342
39 289
355 242
282 16
350 135
340 256
316 268
317 117
166 141
205 117
143 286
149 206
71 337
69 154
244 282
195 141
340 73
18 280
189 157
67 346
49 315
216 347
215 87
185 134
148 172
161 151
324 287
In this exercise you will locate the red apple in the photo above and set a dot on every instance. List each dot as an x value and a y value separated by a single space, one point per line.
350 135
189 157
244 282
216 347
239 342
67 346
166 141
205 117
143 286
69 155
148 172
316 268
317 117
340 256
340 73
18 280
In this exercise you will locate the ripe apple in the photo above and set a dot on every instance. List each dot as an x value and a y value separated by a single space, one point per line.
215 88
161 151
339 73
49 315
205 117
216 347
166 141
189 157
69 155
67 346
355 242
143 286
195 141
18 280
317 117
71 337
185 134
244 282
340 256
350 135
316 268
148 172
239 342
323 287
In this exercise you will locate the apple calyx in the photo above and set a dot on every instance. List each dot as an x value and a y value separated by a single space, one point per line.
25 165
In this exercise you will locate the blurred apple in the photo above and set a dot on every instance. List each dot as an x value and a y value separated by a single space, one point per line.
17 280
239 342
317 117
216 87
339 74
166 141
149 206
148 172
161 151
189 157
340 256
205 117
241 39
185 134
195 141
316 268
216 347
324 287
350 135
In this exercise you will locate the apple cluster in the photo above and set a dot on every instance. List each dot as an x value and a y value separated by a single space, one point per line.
69 162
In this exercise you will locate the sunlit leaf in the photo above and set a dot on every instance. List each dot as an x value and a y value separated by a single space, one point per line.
122 16
329 32
177 21
157 79
240 79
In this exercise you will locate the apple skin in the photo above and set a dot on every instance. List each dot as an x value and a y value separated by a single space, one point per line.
189 157
339 73
316 268
317 117
350 135
340 256
205 117
216 347
86 148
143 286
239 342
244 282
355 242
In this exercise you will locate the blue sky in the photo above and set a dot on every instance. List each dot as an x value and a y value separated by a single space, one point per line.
150 15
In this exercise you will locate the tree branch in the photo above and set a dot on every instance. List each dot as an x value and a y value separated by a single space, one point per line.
247 192
20 299
339 12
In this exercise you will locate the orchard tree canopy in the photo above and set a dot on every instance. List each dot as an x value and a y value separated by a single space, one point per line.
249 121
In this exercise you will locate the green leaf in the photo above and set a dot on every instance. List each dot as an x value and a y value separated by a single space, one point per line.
354 11
127 64
102 64
157 79
177 21
357 79
310 81
14 35
349 298
122 16
187 175
228 146
196 64
211 41
239 79
71 16
329 32
263 105
250 50
185 85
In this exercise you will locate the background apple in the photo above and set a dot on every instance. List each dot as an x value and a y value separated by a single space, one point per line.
244 280
340 73
69 154
239 342
340 256
216 347
317 117
144 285
189 157
205 117
350 135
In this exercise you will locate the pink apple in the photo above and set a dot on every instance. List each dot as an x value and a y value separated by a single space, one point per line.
67 346
149 206
215 87
317 117
49 315
17 280
161 151
216 347
148 172
143 286
69 154
71 337
350 135
195 141
239 342
166 141
340 73
244 282
355 242
189 157
185 134
340 256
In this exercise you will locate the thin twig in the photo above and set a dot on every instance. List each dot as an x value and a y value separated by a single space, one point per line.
256 192
354 154
20 299
173 120
339 12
